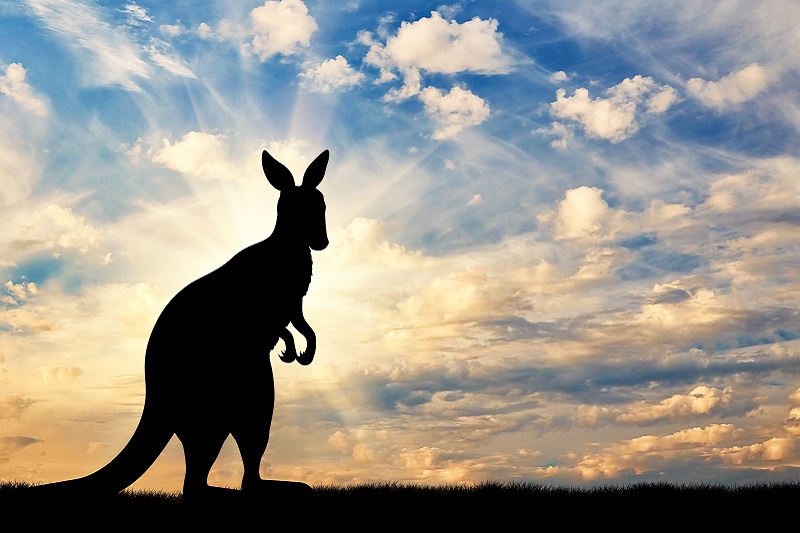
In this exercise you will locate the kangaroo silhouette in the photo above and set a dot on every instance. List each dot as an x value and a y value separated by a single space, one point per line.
206 372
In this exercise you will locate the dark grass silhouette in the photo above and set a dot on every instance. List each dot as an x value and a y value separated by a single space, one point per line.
207 368
394 506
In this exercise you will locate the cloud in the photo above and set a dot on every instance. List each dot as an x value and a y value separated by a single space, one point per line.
57 228
60 375
279 27
661 100
19 292
172 30
412 84
435 45
204 31
774 449
363 241
458 109
704 314
446 47
20 168
769 185
734 88
162 54
14 406
651 452
702 400
9 445
136 14
14 86
583 215
794 398
96 447
201 155
438 46
445 314
330 75
114 59
563 133
613 118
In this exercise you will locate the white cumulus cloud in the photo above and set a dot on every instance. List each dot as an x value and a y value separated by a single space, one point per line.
330 75
583 215
279 27
202 155
14 86
454 111
437 45
735 88
614 117
57 228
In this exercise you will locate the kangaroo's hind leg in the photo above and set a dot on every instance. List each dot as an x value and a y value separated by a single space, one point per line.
251 433
201 449
253 418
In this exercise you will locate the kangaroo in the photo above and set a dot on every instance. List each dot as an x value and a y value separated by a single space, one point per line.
205 373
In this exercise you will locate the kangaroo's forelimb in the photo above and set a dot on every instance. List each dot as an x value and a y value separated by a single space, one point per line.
305 358
290 353
301 325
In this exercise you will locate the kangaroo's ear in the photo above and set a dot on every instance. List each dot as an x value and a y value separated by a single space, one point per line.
316 171
278 175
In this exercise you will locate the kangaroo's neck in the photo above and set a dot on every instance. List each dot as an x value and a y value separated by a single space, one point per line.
289 259
287 241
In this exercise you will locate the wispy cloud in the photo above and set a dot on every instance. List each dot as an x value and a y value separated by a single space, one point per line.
112 56
161 53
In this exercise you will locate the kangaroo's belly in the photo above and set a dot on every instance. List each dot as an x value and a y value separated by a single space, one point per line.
199 345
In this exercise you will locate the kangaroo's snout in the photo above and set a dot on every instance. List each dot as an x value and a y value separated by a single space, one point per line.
318 244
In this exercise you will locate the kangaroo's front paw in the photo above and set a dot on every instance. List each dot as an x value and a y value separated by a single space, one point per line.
305 358
287 357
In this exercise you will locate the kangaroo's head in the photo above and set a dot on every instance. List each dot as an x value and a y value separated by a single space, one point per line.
301 209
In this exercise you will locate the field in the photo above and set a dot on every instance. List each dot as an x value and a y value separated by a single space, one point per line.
394 506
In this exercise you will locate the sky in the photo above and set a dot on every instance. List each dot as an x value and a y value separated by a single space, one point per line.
564 234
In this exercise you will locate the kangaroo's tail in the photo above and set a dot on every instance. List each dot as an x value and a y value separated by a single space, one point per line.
148 441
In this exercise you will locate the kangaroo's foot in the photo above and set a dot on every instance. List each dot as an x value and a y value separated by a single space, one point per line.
207 493
274 488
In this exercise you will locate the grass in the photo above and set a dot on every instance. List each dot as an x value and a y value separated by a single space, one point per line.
468 506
